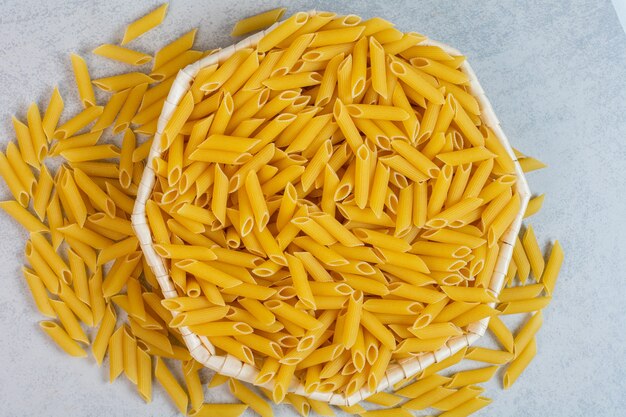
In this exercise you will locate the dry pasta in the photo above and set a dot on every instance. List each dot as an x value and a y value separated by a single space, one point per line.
257 22
61 338
83 81
174 49
144 24
320 240
125 55
326 240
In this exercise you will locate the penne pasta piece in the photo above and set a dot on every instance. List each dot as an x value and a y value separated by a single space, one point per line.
62 339
465 156
292 81
474 376
381 240
378 67
518 364
329 81
23 216
403 167
172 251
496 357
362 175
144 24
176 64
39 293
521 261
83 81
105 331
520 293
282 31
503 220
316 165
534 205
116 352
422 386
416 158
122 82
359 54
234 348
531 164
346 125
248 397
214 410
117 276
78 141
502 333
283 378
453 237
99 198
53 113
41 245
257 200
37 135
412 79
257 22
90 153
174 49
77 123
204 271
69 321
291 55
552 268
469 294
337 36
171 386
121 54
144 374
25 145
378 112
300 281
193 384
126 158
527 333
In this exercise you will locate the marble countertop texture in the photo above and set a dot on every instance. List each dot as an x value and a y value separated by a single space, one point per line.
555 72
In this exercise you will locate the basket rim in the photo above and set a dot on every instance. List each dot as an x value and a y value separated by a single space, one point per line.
199 346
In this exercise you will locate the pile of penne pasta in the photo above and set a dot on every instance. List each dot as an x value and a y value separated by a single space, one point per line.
328 203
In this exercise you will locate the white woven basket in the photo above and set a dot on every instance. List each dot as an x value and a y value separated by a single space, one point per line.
199 346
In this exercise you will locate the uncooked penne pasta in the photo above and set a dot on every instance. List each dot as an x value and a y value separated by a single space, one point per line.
257 22
23 216
520 363
78 122
125 55
226 410
144 24
53 113
282 31
552 268
83 81
248 397
326 201
62 339
171 385
174 49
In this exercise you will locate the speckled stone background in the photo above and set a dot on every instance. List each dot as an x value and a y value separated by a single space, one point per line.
555 72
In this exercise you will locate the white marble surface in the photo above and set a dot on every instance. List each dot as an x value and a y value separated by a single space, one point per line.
554 71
